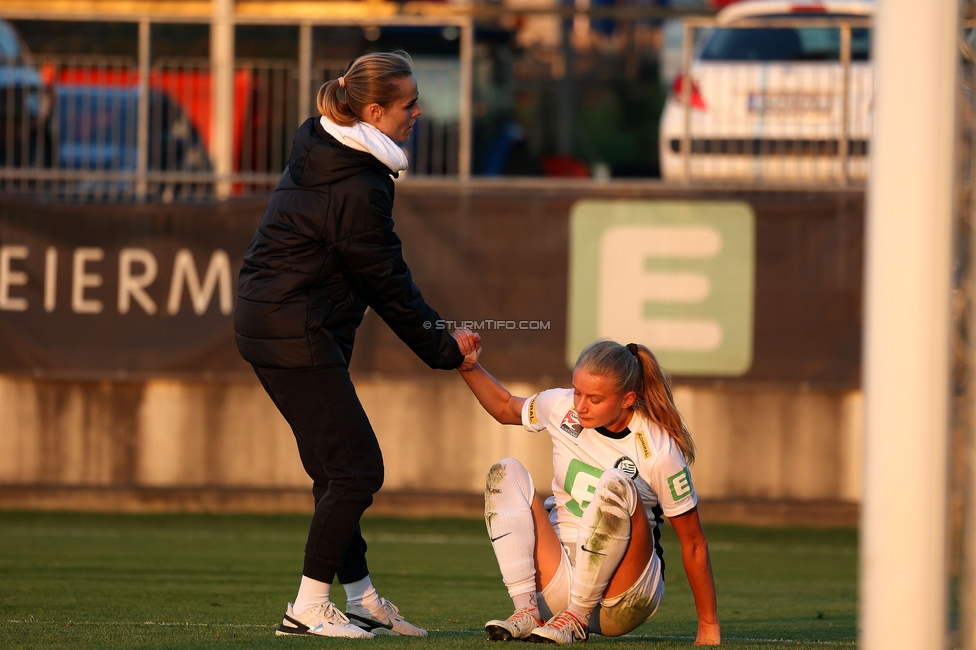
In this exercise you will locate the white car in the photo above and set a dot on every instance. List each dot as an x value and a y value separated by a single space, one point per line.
767 100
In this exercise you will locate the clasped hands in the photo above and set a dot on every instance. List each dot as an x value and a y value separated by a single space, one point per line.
469 343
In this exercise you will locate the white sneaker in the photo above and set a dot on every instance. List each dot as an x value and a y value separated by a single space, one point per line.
384 620
564 627
517 626
321 620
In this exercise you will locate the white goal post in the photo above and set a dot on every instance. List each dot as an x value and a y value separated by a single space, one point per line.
904 580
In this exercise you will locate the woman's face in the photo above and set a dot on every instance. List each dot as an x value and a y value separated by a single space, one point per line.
396 121
597 404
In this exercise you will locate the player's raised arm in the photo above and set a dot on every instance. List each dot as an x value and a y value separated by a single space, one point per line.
500 404
698 568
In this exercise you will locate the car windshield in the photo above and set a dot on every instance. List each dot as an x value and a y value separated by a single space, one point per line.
767 44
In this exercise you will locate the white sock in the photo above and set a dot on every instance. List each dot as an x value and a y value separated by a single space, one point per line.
310 593
529 601
509 493
362 593
603 538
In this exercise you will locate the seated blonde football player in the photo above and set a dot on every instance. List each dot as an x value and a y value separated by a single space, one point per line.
594 562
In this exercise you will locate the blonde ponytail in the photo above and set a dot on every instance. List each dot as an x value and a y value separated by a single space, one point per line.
655 402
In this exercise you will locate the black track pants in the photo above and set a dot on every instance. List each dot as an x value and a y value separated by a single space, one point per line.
340 453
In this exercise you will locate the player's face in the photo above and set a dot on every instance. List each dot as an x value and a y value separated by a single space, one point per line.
396 121
597 404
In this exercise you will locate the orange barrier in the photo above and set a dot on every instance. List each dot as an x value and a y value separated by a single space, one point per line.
190 89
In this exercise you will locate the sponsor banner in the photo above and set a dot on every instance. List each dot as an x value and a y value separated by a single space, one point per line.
127 291
494 250
121 291
677 276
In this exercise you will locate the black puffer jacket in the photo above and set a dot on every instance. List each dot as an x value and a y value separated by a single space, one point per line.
325 250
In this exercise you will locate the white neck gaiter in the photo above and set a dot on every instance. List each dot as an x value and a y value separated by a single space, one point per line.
366 137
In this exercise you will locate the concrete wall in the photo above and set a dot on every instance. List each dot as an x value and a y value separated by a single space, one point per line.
107 438
774 443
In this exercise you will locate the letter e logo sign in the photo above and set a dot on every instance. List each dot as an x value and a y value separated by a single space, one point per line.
680 485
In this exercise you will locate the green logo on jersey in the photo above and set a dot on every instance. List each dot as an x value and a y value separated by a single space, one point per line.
581 480
680 485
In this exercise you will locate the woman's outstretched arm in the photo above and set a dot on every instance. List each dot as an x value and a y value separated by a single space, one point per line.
500 404
698 568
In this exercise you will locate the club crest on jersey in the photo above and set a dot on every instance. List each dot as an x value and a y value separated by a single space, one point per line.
627 466
571 423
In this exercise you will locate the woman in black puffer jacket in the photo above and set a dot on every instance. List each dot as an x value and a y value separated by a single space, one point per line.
325 251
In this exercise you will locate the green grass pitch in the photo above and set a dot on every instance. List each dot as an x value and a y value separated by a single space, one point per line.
222 581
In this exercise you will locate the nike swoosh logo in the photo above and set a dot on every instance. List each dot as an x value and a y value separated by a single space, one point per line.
494 539
589 551
372 623
293 624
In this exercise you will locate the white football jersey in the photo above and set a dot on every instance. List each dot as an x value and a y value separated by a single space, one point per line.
580 456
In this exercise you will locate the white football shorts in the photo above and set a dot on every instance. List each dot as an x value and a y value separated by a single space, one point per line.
614 616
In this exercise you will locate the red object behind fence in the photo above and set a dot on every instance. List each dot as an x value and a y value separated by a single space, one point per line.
189 89
563 165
